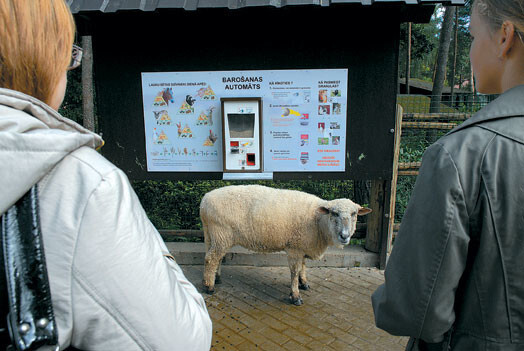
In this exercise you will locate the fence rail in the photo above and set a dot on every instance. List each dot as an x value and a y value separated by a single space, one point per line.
171 235
429 125
432 116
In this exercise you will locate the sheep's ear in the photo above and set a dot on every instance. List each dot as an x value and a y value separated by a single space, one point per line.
364 211
323 210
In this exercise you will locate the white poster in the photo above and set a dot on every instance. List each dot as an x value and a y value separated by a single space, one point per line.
303 118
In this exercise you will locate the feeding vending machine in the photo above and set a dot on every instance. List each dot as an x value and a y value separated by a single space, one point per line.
242 137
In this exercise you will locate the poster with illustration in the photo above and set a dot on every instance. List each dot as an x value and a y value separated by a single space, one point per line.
304 116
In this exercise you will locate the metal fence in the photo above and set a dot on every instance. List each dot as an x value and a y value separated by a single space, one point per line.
422 125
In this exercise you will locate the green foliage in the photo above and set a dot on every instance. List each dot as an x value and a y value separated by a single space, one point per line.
405 186
175 204
72 105
424 47
422 44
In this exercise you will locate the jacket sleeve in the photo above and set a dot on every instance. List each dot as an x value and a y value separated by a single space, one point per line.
126 295
429 255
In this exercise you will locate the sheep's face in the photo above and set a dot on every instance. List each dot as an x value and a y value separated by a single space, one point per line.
342 219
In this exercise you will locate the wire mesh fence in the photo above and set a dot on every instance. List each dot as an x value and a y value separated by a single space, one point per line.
423 123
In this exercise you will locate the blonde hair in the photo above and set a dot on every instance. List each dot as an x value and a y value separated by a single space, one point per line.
495 12
36 39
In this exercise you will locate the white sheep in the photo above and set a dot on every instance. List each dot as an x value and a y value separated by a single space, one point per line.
268 220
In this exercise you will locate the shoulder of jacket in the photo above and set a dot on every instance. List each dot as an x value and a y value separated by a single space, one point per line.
89 168
472 138
91 161
83 170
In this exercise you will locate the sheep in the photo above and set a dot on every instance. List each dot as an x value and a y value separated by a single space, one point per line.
266 219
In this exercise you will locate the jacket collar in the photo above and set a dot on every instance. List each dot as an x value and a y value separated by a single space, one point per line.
33 139
43 113
509 104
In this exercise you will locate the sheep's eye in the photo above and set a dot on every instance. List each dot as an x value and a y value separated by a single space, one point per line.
353 214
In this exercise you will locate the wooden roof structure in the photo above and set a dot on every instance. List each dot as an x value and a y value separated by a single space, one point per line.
152 5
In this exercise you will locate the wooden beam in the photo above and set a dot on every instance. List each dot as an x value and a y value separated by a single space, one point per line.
199 234
186 233
451 116
408 173
429 125
408 165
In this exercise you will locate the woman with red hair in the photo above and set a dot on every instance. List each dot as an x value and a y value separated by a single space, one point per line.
114 285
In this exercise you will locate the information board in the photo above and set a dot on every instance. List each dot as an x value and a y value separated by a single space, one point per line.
303 118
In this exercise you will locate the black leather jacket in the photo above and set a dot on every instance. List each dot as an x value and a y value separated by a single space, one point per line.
456 273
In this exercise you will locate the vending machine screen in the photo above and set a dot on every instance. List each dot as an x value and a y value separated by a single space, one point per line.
241 125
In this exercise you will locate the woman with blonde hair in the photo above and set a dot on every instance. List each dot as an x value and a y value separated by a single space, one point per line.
113 284
454 280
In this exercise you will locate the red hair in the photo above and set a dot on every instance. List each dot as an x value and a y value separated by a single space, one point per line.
36 39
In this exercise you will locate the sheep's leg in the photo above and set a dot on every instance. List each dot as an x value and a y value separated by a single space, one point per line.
294 266
218 280
303 285
207 241
211 263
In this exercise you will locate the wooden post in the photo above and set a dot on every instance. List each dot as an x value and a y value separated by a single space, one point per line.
384 230
375 218
391 222
87 84
382 201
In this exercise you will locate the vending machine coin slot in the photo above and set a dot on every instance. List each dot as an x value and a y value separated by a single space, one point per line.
235 147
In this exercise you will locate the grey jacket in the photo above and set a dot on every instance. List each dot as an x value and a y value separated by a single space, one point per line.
112 286
456 272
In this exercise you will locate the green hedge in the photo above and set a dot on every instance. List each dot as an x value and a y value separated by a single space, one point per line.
175 204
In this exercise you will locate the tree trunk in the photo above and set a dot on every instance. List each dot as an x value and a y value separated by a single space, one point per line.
442 58
455 49
87 84
408 58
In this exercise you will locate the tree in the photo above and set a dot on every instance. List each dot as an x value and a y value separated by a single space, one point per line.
455 51
442 58
422 44
408 57
462 41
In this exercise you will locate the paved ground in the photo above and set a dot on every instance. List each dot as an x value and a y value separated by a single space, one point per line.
250 310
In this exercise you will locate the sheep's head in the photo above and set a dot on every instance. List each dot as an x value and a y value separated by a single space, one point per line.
341 216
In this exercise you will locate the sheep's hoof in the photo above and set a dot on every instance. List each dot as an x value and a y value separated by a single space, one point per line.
304 286
209 290
297 301
218 280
